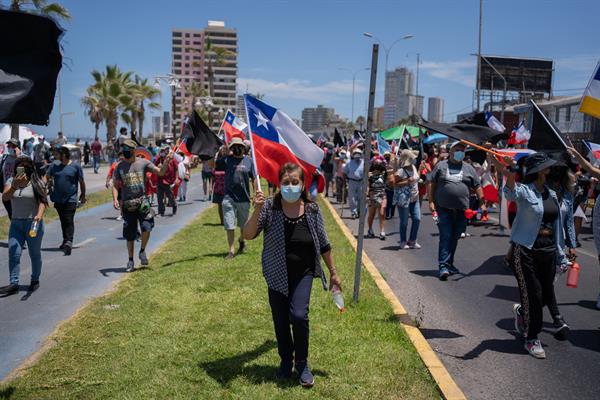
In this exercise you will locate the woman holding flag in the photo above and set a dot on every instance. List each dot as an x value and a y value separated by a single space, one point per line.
294 241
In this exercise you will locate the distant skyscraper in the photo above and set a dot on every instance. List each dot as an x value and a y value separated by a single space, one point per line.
435 109
156 125
316 118
398 85
378 118
240 108
189 64
166 122
415 105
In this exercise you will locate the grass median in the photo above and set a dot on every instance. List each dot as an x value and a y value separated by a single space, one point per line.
195 326
93 200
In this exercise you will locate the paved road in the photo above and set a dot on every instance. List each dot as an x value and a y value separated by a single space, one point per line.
94 182
468 319
98 259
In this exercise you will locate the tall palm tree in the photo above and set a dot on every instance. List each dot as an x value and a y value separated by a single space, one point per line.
146 92
54 10
216 56
93 109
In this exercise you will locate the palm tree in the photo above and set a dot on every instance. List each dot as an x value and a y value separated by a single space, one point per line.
145 92
42 7
93 109
360 121
218 57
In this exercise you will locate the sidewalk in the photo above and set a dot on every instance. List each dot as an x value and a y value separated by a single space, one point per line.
195 326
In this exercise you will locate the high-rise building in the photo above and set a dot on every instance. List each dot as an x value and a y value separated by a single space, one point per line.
195 56
415 105
240 108
167 122
435 109
378 124
399 85
156 125
316 118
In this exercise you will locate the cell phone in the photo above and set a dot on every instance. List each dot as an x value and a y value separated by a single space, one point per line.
20 170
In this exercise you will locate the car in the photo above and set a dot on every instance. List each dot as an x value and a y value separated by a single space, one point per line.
75 152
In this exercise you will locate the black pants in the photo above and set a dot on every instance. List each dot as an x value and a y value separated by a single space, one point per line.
66 213
8 207
535 270
341 192
292 309
161 192
390 208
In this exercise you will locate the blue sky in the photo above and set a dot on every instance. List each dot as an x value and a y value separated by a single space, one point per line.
292 51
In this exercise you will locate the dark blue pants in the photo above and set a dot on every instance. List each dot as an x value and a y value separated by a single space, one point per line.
451 223
390 207
292 309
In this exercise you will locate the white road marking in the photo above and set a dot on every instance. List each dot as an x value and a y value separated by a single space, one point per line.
86 241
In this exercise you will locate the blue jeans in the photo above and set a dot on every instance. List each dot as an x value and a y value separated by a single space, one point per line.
96 163
414 209
18 234
451 223
390 207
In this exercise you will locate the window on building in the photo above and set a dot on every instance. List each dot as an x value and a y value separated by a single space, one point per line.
568 114
177 56
177 71
557 115
187 65
176 41
176 49
176 34
187 35
177 64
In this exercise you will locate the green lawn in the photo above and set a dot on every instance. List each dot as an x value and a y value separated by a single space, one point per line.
93 200
195 326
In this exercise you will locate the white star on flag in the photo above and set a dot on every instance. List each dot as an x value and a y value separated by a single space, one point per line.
262 120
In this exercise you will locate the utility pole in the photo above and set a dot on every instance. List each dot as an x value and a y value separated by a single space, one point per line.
479 54
365 180
60 113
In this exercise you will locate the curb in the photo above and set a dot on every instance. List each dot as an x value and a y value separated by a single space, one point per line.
438 371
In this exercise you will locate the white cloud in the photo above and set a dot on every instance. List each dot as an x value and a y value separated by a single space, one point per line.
302 89
459 71
584 63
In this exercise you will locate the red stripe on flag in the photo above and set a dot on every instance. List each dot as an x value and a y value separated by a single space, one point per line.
270 156
231 132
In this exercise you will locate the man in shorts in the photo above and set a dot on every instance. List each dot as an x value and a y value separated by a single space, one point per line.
239 172
129 176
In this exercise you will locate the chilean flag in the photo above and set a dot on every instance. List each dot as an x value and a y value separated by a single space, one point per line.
233 127
516 154
593 152
276 140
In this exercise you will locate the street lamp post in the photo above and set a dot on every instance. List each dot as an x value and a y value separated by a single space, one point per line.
173 82
354 73
418 63
387 49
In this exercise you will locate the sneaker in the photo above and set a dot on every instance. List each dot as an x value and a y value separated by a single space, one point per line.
229 256
67 248
242 247
453 270
562 329
143 258
534 347
444 273
9 289
382 236
598 302
285 370
463 235
130 266
370 234
33 286
119 218
62 246
519 323
414 245
354 215
306 377
403 245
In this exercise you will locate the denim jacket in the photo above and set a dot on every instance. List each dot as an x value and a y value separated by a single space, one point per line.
568 221
530 211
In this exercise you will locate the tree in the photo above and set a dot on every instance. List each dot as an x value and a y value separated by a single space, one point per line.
360 121
93 109
42 7
145 92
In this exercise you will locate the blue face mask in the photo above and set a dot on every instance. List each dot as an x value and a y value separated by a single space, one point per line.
291 193
11 151
459 155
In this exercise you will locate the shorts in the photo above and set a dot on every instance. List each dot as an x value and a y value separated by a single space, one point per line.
234 213
206 175
217 198
131 220
377 200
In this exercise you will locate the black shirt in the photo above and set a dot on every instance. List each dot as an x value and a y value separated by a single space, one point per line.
550 210
299 248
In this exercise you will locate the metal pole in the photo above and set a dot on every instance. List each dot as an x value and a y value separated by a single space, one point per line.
418 62
160 119
367 156
479 54
353 81
60 113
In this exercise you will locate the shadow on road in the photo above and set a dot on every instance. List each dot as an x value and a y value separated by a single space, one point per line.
439 334
503 292
492 266
589 304
106 271
227 369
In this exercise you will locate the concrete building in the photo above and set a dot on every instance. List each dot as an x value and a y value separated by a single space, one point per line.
156 125
314 119
166 121
190 64
415 105
240 108
435 109
378 118
399 84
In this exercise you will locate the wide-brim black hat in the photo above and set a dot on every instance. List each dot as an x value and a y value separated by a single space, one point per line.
537 162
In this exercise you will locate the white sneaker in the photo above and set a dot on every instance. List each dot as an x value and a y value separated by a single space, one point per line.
414 245
598 302
534 347
463 235
130 266
403 245
143 258
119 218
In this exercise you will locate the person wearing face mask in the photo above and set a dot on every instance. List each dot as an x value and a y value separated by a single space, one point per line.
294 241
166 182
63 179
377 199
354 171
450 185
239 174
406 197
536 234
13 150
129 179
26 190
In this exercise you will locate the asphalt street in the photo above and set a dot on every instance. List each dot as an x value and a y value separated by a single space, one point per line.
468 319
98 260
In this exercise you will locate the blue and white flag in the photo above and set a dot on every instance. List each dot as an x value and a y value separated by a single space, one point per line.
493 122
383 145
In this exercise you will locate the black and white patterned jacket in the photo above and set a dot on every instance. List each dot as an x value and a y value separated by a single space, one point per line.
271 220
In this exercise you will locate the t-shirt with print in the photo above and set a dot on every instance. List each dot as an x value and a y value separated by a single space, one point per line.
65 178
130 177
238 173
453 184
403 173
377 183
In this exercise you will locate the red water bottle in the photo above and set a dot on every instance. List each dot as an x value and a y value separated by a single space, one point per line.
573 275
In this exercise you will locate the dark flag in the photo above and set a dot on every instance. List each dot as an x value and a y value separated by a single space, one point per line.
473 133
199 138
29 65
545 136
479 120
338 139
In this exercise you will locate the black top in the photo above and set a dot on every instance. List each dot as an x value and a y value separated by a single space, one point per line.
551 210
299 248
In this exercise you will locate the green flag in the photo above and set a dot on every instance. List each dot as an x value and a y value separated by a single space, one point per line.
394 133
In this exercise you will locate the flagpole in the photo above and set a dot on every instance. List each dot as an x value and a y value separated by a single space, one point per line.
252 144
